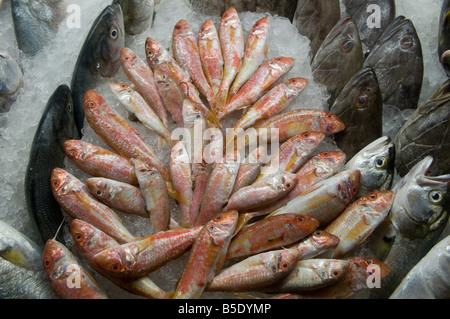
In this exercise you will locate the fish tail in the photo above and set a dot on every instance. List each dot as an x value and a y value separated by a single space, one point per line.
219 103
176 195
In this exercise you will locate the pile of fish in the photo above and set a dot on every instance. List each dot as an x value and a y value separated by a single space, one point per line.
299 221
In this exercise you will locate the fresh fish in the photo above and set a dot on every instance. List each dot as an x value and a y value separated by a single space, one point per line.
417 218
426 133
262 192
142 77
137 15
315 19
211 54
75 199
358 221
21 273
118 195
443 37
68 278
140 257
318 242
338 58
259 83
299 121
171 94
376 164
115 131
100 54
398 52
90 241
250 169
256 271
270 233
11 80
359 102
206 256
154 190
56 125
186 52
181 175
99 162
428 279
36 22
135 104
232 42
362 14
311 274
254 54
324 200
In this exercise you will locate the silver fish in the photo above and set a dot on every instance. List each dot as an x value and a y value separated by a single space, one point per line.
137 15
11 80
443 37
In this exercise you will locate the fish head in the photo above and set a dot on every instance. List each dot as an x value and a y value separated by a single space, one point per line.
178 153
74 149
54 259
305 142
121 90
62 99
92 100
260 27
375 206
207 30
155 53
230 17
221 227
192 113
144 169
281 65
129 58
294 86
336 269
182 28
322 239
328 162
285 181
421 201
88 239
11 77
113 261
348 185
60 181
376 163
98 187
296 224
361 268
329 123
279 261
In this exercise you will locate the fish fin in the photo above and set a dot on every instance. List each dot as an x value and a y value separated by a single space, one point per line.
177 196
242 295
219 103
161 141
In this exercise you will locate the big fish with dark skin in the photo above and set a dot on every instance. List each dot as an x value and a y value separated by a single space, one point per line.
360 102
338 58
57 125
444 37
398 63
425 133
100 55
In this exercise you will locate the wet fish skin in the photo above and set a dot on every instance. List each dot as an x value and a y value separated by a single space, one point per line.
11 80
376 164
36 23
171 94
443 38
207 255
250 169
99 162
360 101
398 52
61 265
137 15
316 243
338 58
100 55
425 133
358 10
56 125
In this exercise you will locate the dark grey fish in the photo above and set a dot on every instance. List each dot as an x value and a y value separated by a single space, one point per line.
360 107
57 124
137 15
100 55
444 37
398 62
315 19
11 80
21 273
338 58
426 132
372 18
36 22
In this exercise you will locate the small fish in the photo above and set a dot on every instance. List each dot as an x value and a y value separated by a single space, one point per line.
360 101
99 162
75 199
398 52
135 104
318 242
90 241
137 15
255 272
186 52
376 164
154 190
206 256
142 76
11 80
259 83
254 54
250 169
100 54
338 58
62 267
443 37
56 125
118 195
171 94
270 233
211 54
232 42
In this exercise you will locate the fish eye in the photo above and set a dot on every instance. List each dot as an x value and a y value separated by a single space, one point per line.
361 101
435 196
99 192
69 107
150 53
335 273
380 162
346 46
373 196
317 233
285 265
218 218
47 263
78 237
300 219
406 42
288 185
113 33
115 267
